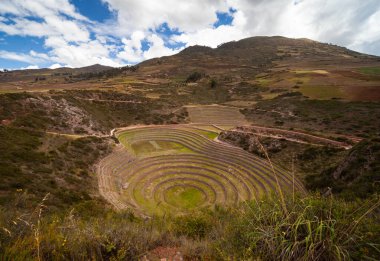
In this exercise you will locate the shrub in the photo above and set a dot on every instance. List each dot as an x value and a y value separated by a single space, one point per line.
213 83
194 77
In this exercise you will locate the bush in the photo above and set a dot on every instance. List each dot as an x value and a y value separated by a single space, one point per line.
213 83
194 77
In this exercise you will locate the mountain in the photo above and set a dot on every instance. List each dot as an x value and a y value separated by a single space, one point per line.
237 60
33 74
253 55
133 162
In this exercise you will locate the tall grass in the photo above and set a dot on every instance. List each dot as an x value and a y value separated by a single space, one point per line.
282 226
311 228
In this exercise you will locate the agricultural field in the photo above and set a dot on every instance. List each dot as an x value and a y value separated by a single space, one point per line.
176 169
370 70
344 83
216 114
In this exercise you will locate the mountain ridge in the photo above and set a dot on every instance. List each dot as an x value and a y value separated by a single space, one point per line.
245 43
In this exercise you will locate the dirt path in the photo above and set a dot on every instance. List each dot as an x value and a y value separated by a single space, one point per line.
295 136
291 135
77 136
103 100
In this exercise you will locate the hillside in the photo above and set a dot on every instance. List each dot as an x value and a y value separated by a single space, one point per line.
250 56
255 149
249 70
290 84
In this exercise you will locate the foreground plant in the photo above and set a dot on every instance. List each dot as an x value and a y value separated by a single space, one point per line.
311 228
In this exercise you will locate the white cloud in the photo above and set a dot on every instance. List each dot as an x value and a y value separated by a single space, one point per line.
133 48
66 33
52 26
321 20
56 66
80 54
157 48
39 8
21 57
30 67
73 40
214 36
187 16
352 24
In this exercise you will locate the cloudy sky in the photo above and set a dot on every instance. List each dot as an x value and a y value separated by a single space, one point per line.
75 33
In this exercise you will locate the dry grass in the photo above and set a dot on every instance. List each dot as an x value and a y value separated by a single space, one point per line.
311 228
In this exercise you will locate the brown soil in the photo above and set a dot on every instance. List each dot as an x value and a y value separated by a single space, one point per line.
164 253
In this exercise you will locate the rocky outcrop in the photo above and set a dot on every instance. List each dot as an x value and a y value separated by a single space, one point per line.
252 143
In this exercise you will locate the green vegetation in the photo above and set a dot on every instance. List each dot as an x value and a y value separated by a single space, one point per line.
174 187
156 147
370 70
220 115
213 83
194 77
328 116
184 197
311 228
209 134
84 111
357 175
321 92
211 174
39 163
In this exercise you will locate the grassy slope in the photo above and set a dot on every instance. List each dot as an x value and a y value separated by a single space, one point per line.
79 112
356 175
35 164
305 160
353 118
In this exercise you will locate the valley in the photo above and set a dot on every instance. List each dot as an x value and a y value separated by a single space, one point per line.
195 151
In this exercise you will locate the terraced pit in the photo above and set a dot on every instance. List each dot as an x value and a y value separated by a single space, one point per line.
181 168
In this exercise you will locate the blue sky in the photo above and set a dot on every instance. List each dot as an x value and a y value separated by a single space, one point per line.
76 33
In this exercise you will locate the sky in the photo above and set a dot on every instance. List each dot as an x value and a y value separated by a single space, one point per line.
76 33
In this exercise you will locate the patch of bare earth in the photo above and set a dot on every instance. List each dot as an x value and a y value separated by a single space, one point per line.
164 254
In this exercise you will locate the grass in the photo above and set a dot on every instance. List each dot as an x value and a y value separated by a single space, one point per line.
322 92
215 115
313 228
208 134
184 197
38 163
293 227
332 116
224 175
72 223
263 82
370 70
357 175
146 148
269 96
